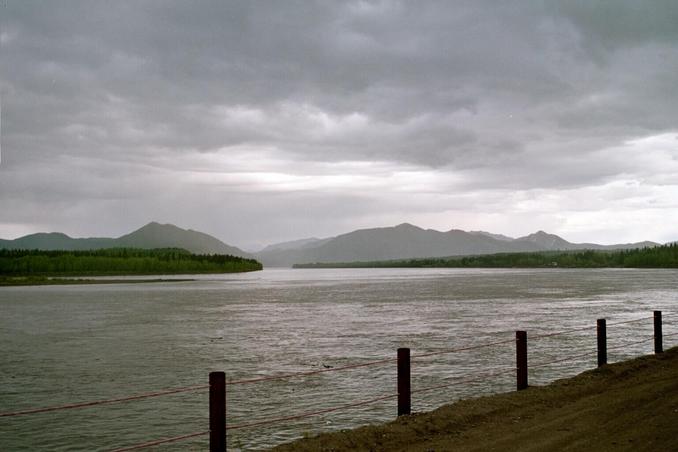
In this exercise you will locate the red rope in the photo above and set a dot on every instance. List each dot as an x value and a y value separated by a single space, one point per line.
309 414
312 372
455 350
356 366
103 402
630 321
590 353
573 330
540 336
631 343
569 358
160 441
459 380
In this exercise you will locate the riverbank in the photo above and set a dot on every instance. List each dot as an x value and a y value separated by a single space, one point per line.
47 281
628 406
118 262
664 256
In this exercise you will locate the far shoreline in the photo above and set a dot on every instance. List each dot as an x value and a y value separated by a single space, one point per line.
66 281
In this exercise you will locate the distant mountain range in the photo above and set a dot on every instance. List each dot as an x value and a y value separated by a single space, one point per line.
407 241
153 235
399 242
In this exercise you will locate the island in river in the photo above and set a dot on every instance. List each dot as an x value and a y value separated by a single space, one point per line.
664 256
22 267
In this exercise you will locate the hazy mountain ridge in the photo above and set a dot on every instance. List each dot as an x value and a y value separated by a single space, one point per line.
494 236
152 235
403 241
296 244
56 241
408 241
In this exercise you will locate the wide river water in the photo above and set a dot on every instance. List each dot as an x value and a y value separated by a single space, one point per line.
68 344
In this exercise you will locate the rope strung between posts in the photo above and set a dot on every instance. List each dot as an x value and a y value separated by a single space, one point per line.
160 441
647 339
463 349
423 355
573 357
569 358
104 402
450 382
583 328
630 321
311 372
461 380
311 413
558 333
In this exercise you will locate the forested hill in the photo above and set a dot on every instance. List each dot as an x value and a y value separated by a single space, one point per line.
152 236
665 256
119 261
407 241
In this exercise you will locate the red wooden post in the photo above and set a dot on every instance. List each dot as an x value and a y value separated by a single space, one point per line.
404 388
601 330
658 345
217 412
521 360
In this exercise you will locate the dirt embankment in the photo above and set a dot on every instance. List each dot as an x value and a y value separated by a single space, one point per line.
629 406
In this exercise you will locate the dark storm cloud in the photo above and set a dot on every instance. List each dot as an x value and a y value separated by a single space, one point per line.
105 100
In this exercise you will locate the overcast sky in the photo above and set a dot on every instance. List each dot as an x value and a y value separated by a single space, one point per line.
260 122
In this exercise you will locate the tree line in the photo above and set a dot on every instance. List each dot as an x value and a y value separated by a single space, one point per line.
119 261
665 256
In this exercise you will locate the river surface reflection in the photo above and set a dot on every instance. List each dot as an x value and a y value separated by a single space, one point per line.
64 344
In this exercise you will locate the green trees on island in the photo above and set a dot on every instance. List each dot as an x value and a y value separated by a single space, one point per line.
665 256
133 261
119 261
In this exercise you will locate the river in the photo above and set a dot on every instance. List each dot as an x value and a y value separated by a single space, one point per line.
67 344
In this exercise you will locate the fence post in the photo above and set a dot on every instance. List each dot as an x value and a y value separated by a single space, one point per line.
217 412
658 346
521 360
601 329
404 398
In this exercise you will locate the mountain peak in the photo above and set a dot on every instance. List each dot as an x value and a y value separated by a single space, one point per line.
49 235
407 226
156 225
547 241
540 233
157 235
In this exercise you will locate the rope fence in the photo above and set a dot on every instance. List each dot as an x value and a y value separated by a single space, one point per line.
311 413
560 333
161 441
624 322
628 344
463 349
311 372
218 383
562 360
460 380
104 402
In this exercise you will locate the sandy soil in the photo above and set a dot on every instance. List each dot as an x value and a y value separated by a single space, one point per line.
629 406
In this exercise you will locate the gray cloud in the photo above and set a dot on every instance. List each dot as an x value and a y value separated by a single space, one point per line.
121 107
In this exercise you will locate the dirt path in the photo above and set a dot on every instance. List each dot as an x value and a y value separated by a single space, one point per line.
629 406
